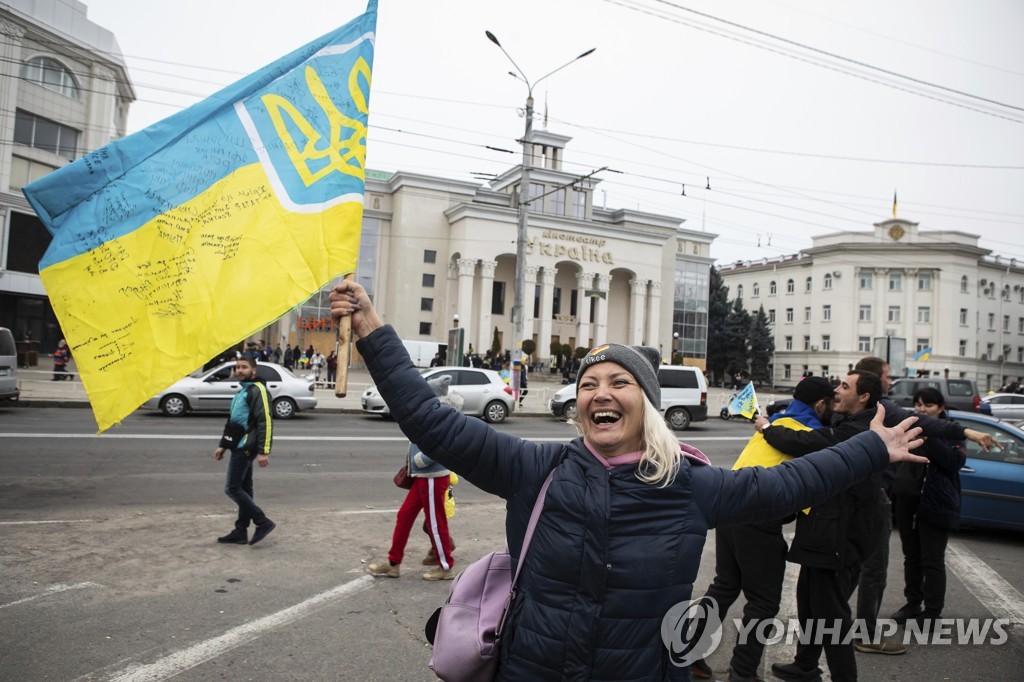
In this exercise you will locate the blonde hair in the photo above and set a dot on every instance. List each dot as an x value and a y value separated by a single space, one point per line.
659 462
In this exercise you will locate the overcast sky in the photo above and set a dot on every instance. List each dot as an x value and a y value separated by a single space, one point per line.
797 137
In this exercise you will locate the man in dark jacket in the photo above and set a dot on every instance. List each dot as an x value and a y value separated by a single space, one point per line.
248 434
833 539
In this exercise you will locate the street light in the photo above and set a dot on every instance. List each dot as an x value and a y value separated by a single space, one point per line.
518 321
675 342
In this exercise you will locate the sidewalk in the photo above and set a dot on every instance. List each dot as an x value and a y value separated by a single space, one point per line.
38 390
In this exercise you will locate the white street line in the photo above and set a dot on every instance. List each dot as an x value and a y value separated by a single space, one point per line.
53 589
1001 598
32 523
186 659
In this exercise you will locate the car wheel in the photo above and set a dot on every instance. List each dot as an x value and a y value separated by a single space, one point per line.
495 412
174 405
569 411
678 418
284 408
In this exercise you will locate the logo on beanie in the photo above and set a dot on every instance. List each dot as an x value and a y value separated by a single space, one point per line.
595 355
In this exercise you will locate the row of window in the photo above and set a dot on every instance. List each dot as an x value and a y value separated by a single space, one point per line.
42 133
921 344
895 315
895 282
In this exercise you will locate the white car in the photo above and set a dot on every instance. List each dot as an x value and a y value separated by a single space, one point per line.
1008 406
484 392
214 390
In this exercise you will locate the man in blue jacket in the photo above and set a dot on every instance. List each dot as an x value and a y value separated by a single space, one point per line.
248 434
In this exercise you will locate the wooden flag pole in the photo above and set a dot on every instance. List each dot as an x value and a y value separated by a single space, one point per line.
342 349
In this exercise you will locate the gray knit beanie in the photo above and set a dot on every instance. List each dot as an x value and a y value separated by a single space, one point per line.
640 361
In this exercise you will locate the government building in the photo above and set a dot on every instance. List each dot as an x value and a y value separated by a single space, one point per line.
933 303
439 254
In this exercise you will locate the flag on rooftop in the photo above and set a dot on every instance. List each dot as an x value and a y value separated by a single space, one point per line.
183 239
745 402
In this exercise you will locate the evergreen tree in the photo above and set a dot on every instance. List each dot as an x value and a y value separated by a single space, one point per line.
718 311
734 338
762 347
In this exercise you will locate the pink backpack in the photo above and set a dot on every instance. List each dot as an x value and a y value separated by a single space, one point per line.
466 631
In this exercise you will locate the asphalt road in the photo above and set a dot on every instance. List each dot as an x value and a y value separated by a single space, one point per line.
110 570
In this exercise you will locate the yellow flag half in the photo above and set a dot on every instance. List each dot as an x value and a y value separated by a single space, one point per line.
181 240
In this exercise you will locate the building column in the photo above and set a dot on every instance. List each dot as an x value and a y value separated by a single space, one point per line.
10 64
584 281
653 333
464 307
881 309
910 321
547 290
637 298
601 328
486 287
528 319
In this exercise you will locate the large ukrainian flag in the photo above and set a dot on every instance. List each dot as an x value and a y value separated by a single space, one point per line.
181 240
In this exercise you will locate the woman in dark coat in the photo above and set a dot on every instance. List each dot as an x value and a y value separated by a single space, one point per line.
619 540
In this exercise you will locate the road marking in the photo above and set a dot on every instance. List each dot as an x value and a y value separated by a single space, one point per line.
53 589
31 523
186 659
1001 598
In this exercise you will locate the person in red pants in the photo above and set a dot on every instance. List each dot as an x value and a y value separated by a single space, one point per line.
428 493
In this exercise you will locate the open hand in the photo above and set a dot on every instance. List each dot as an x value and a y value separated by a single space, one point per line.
900 439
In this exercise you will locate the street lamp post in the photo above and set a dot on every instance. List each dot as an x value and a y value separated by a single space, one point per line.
518 320
675 342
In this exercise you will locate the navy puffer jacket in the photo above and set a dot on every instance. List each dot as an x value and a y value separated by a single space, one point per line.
610 554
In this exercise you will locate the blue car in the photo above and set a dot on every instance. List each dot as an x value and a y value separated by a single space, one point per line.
992 482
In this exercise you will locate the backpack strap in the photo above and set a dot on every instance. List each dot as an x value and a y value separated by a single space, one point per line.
534 517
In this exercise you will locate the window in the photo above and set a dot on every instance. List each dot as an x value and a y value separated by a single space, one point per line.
807 314
790 286
426 304
756 290
497 298
789 343
865 313
24 171
1020 353
773 288
41 133
1020 325
1006 292
579 204
962 350
894 313
963 284
992 321
808 284
556 302
923 344
534 202
558 201
430 256
789 315
895 282
828 280
739 291
826 313
863 344
807 343
428 280
771 316
990 352
787 371
1006 323
963 317
50 74
924 281
573 302
826 342
866 279
924 314
27 243
424 329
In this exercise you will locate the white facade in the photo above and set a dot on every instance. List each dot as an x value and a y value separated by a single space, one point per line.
835 302
435 248
64 91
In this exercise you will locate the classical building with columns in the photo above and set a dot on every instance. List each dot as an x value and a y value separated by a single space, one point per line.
435 248
939 304
64 91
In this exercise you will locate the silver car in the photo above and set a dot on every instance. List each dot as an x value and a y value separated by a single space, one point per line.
215 389
1008 406
484 392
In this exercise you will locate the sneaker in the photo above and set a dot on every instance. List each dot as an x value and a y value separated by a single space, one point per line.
791 672
262 531
440 574
700 670
235 537
383 569
907 612
882 646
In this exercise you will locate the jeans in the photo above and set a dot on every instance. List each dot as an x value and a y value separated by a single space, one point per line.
239 488
924 558
873 571
824 594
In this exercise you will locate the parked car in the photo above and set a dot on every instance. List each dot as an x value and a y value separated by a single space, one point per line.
214 390
960 394
992 483
8 366
1009 406
684 397
485 394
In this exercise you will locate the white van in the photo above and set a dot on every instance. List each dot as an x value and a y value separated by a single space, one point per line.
8 366
423 352
684 397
